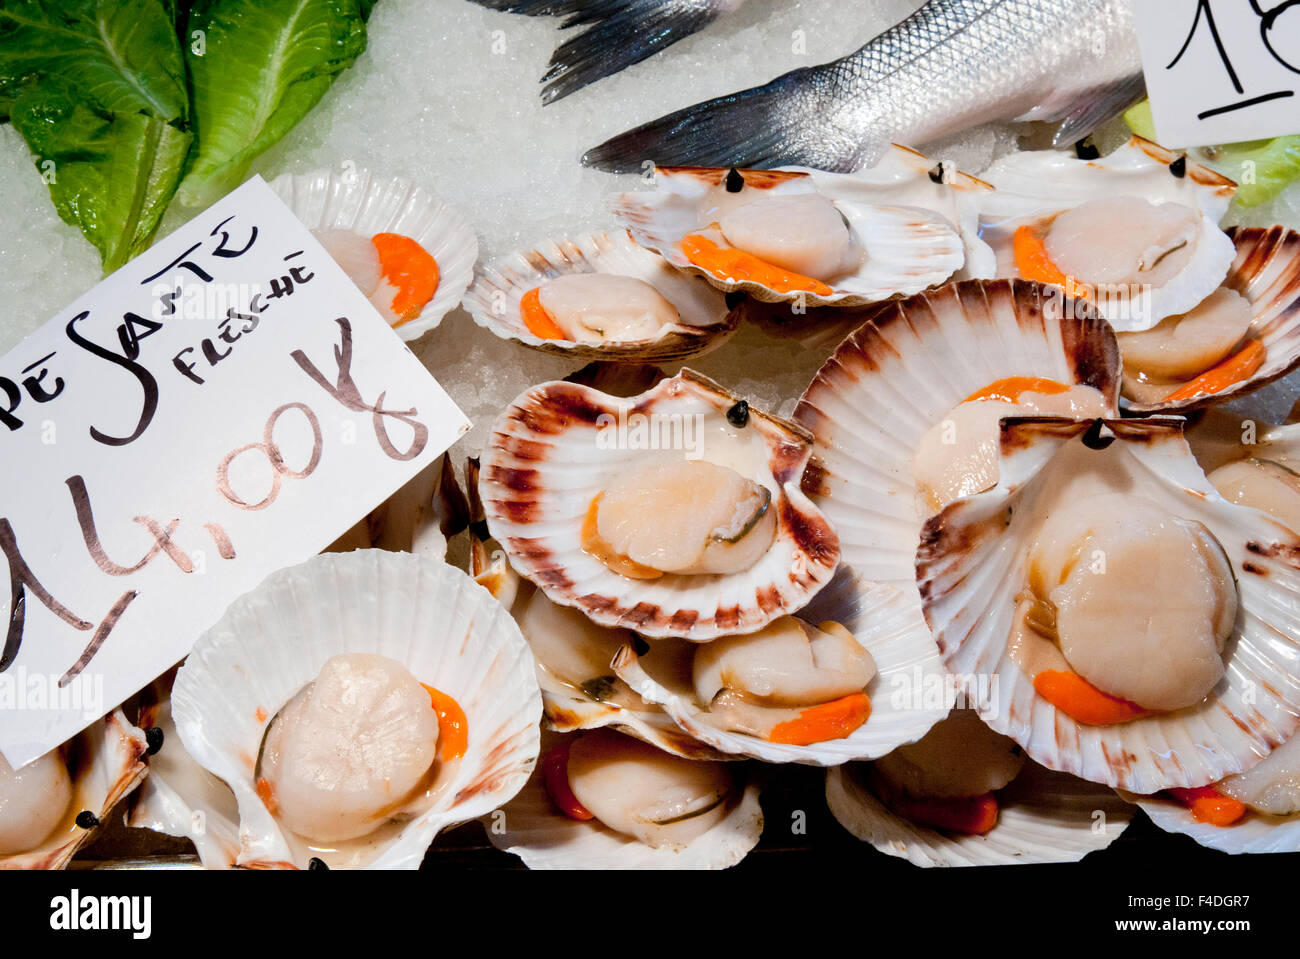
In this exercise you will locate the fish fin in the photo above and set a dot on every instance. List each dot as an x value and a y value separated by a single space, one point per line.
528 8
1097 108
773 125
621 33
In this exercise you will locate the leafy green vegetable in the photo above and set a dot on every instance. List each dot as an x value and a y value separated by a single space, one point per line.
264 65
1262 168
119 99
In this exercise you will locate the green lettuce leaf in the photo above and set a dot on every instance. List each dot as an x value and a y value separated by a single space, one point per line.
264 65
121 55
113 175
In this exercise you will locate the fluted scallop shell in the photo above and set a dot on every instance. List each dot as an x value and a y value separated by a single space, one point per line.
1266 272
106 761
1220 437
1030 185
902 372
971 564
273 641
1044 817
493 300
556 448
180 798
1257 833
881 618
907 247
530 827
367 203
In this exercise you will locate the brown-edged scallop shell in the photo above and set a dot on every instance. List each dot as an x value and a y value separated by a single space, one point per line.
105 762
880 618
560 446
902 372
902 225
972 567
1266 272
703 321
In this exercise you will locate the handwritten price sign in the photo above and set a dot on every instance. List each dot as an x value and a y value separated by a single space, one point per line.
1221 71
225 405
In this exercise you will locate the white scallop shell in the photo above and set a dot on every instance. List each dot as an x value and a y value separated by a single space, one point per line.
970 566
106 763
1043 817
1032 185
493 300
428 616
908 246
1220 437
883 620
530 827
902 372
368 203
1257 833
1266 272
556 448
180 798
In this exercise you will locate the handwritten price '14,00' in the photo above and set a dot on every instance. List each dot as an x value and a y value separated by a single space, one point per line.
1272 22
341 387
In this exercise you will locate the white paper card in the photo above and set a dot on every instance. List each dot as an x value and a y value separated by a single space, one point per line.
225 405
1220 71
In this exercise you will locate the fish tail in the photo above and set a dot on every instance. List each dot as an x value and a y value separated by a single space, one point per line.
773 125
619 34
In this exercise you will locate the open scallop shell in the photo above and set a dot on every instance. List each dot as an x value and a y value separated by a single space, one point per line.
883 621
428 616
530 827
1044 817
1266 272
1257 833
1033 185
368 203
902 372
556 448
180 798
970 566
106 762
907 247
493 300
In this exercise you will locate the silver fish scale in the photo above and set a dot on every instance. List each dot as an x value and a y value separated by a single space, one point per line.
957 63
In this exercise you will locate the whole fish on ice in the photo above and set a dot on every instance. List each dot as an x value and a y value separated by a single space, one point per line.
619 33
953 64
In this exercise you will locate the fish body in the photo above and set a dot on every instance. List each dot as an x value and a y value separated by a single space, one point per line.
952 65
618 34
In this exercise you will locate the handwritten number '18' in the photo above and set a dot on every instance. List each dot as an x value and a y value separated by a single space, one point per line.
1268 20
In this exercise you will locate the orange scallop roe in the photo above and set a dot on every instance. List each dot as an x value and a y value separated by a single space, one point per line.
818 724
539 321
453 726
410 269
728 263
1010 390
1034 263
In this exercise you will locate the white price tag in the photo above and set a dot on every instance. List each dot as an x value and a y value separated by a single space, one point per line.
225 405
1220 71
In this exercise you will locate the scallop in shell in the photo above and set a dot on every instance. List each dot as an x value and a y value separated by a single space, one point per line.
361 204
1264 284
1136 231
91 774
587 492
879 618
798 234
646 309
1210 687
417 615
896 380
532 827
